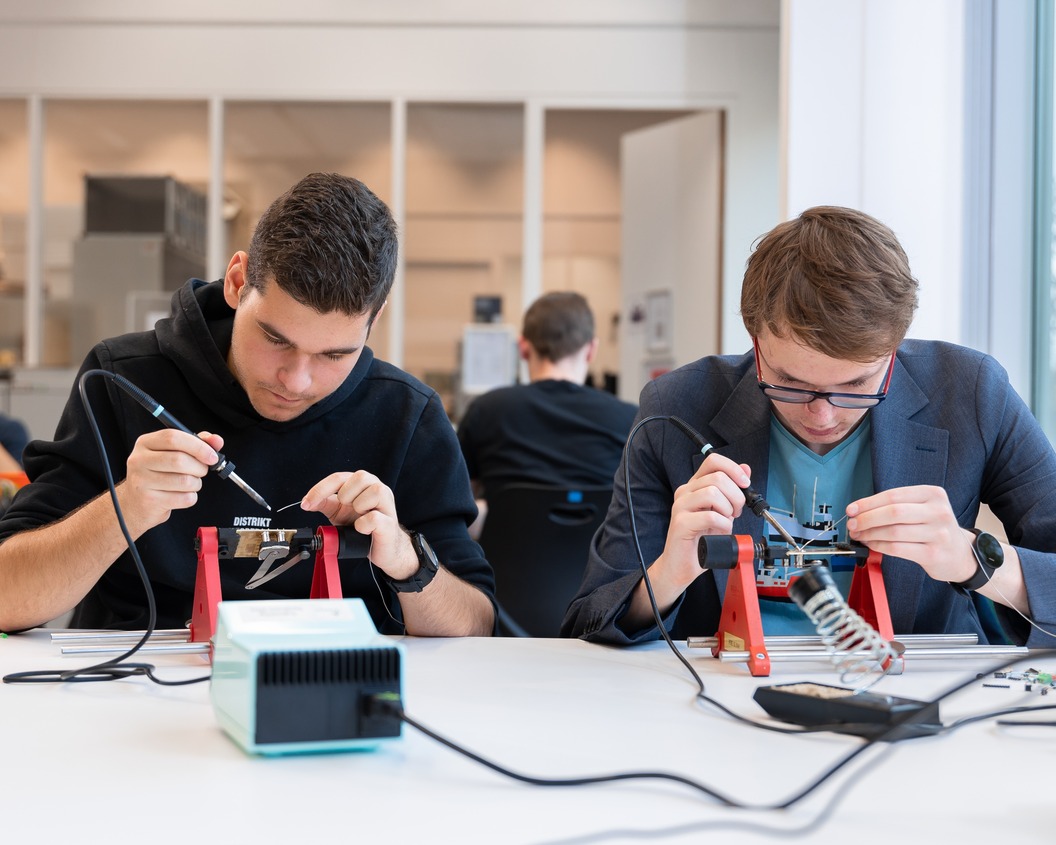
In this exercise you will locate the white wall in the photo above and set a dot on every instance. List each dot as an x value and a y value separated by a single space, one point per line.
875 122
919 113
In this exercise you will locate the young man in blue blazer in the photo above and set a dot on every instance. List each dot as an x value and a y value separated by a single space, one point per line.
900 440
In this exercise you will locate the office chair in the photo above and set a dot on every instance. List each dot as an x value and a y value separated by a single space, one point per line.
536 537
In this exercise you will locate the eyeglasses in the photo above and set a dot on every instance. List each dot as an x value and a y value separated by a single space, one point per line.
797 396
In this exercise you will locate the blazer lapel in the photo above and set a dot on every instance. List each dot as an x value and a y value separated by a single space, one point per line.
905 454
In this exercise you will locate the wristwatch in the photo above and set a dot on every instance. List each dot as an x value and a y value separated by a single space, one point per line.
427 567
988 556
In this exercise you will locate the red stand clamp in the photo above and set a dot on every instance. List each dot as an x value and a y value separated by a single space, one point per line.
207 593
326 578
741 627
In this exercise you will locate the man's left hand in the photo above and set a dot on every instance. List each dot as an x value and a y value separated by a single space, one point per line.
361 500
915 523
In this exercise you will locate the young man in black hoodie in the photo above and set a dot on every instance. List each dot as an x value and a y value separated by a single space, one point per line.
269 364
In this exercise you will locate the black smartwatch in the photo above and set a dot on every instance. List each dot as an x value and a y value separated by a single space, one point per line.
988 556
427 567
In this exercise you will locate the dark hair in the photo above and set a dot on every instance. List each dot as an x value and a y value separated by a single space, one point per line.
835 280
329 243
558 325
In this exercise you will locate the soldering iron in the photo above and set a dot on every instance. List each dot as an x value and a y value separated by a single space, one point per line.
222 467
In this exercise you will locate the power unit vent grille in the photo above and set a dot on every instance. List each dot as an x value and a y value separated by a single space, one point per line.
360 665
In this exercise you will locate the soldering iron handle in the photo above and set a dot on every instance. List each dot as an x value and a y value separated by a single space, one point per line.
752 497
157 410
705 447
755 501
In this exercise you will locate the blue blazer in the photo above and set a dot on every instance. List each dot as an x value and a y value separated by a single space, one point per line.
951 419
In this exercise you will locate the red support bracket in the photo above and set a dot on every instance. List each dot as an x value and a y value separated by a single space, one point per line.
868 596
326 579
741 625
206 586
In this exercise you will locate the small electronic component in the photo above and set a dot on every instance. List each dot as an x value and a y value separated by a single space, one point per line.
1032 680
844 710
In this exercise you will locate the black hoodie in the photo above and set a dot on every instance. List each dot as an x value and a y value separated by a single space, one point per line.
380 419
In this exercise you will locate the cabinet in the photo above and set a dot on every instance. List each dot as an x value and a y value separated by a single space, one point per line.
143 234
108 269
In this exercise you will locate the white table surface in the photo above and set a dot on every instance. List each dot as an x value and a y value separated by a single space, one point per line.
132 761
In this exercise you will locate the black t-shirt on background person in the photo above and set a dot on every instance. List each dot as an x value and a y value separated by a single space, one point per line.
547 432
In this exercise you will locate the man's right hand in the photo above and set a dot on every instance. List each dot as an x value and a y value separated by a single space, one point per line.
164 473
706 504
45 571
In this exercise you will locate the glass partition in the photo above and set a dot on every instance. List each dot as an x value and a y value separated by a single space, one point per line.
111 166
269 146
582 215
14 201
464 230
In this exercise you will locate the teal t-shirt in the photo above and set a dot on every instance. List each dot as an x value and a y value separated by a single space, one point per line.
813 491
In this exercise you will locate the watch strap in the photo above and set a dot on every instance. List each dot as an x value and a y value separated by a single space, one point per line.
984 569
428 565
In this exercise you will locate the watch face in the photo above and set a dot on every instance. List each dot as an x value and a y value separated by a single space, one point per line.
426 555
989 547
